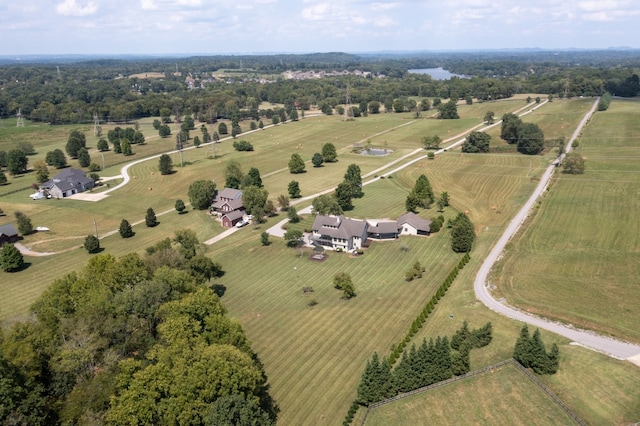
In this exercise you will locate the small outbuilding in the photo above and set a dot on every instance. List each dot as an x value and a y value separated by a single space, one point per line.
412 224
8 234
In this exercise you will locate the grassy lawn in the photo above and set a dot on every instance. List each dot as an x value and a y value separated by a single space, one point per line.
488 398
584 237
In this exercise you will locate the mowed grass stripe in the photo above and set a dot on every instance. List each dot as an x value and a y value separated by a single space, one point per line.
585 238
503 396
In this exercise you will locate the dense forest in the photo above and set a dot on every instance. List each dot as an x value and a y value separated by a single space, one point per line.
72 92
133 340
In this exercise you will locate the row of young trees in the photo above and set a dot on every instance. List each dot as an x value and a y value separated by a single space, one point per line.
431 362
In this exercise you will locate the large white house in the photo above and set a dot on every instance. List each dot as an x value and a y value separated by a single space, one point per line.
340 232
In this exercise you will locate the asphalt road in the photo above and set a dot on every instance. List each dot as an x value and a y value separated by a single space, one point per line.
612 347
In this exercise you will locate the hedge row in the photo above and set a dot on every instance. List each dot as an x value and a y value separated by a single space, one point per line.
396 350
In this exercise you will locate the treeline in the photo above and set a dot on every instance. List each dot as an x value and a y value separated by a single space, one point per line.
102 87
431 362
133 340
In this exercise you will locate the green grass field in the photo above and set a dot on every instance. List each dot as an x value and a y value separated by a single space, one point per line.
314 355
584 238
488 398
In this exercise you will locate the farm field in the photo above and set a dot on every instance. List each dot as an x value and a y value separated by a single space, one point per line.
488 398
584 239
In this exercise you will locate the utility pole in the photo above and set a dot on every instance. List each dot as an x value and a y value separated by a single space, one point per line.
20 122
348 102
95 225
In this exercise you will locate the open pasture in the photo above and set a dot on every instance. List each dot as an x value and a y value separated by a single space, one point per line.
584 239
314 355
503 396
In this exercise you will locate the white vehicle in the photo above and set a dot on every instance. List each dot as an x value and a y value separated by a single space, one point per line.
37 195
242 223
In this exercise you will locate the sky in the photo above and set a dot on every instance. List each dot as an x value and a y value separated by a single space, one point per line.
157 27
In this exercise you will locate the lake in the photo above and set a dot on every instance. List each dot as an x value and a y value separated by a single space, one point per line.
436 73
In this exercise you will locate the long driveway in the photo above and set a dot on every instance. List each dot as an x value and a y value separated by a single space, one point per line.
612 347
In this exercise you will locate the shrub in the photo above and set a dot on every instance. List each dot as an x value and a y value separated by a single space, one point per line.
91 244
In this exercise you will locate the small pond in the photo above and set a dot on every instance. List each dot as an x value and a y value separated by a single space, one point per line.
376 151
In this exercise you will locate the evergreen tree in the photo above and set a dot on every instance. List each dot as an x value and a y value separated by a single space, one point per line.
150 219
377 381
125 229
353 178
421 195
522 349
404 375
10 258
460 336
91 244
462 234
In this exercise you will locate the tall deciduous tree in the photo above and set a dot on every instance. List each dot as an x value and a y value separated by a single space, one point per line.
56 158
76 140
296 164
448 111
476 142
233 174
252 178
254 199
317 159
343 196
24 223
17 161
326 204
329 153
530 139
294 189
489 117
84 159
42 171
201 193
510 125
573 164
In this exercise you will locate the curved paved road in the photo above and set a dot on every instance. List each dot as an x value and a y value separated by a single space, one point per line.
612 347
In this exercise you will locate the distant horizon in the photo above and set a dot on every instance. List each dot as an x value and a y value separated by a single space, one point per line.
294 53
157 27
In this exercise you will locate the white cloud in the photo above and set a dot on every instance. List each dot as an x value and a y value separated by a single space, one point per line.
72 8
384 6
384 21
148 5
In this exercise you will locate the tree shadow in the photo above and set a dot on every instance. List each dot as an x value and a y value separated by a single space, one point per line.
24 266
219 289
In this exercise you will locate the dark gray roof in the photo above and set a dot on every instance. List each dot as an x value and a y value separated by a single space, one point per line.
416 221
234 204
229 194
9 230
67 179
383 227
339 226
236 214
